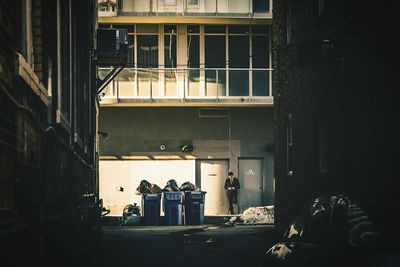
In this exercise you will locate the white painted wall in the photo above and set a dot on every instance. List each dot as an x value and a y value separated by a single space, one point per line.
129 173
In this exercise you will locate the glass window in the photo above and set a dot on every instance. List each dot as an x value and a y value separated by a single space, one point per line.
170 2
260 51
261 6
258 29
193 2
214 29
238 29
193 51
260 82
238 51
147 51
170 46
193 29
215 51
239 58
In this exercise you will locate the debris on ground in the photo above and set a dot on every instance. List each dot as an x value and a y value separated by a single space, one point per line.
258 215
131 215
254 215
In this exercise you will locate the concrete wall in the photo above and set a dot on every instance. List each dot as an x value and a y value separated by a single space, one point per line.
138 133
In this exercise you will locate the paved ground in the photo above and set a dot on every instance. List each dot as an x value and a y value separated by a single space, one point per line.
206 245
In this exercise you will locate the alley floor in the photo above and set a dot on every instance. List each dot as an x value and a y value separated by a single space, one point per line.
205 245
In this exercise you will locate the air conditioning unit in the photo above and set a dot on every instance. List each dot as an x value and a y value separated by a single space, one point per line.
109 40
112 46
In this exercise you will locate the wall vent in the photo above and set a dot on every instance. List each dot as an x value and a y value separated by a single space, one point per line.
213 113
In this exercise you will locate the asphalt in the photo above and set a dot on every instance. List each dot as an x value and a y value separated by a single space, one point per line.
205 245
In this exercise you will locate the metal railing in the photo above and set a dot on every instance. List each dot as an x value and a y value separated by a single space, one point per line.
185 7
189 83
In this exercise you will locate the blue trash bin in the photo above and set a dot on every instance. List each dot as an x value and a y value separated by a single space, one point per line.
151 209
173 208
194 207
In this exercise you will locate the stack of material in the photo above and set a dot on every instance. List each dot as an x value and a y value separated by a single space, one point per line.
254 215
258 215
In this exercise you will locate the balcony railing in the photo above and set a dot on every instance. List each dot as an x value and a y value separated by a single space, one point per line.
186 7
189 84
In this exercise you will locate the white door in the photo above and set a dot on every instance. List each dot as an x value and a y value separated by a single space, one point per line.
250 178
212 176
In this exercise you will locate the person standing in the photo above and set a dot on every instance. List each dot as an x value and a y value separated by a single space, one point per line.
232 186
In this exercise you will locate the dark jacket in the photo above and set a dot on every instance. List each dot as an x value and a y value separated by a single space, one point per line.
235 183
232 194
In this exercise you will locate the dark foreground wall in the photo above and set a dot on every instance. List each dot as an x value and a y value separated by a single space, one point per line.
46 126
336 106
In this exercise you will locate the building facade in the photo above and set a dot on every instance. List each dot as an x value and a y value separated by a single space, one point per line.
335 105
193 102
47 123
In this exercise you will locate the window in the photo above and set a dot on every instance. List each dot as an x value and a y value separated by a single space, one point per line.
261 6
215 60
289 144
170 46
260 54
147 53
193 2
170 2
147 46
193 59
238 60
288 22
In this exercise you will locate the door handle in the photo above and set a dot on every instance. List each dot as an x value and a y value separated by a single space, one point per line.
261 188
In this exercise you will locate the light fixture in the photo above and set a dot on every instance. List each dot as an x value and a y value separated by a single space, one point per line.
186 148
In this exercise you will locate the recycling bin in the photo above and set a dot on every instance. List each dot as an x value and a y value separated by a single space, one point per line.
151 209
173 208
194 207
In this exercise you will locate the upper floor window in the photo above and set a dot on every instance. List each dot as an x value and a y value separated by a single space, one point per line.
170 2
193 2
170 46
147 46
261 6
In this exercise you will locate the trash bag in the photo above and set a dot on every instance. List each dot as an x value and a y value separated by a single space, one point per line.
171 186
131 215
155 189
131 209
188 186
144 187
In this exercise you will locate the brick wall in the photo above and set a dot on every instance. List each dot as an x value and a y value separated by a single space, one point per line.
351 87
41 174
